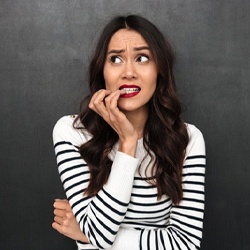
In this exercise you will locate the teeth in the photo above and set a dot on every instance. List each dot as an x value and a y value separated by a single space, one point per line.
131 90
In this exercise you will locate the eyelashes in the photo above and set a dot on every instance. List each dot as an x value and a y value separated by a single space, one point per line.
115 59
142 58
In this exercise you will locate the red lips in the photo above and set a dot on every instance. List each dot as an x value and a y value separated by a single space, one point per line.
131 90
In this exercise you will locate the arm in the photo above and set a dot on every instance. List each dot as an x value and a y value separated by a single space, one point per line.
184 230
99 217
185 227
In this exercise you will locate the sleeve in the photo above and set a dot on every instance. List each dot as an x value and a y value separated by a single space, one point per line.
100 216
184 230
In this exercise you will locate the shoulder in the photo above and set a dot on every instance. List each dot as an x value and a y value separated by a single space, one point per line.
196 145
193 131
66 130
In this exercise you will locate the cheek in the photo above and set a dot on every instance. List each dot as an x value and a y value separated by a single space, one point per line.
154 80
153 85
110 78
106 77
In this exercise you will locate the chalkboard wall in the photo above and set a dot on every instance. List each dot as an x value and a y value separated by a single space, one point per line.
45 46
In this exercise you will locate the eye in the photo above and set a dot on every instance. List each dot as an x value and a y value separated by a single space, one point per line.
142 58
115 59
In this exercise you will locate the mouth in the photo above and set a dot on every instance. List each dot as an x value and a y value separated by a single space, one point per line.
130 90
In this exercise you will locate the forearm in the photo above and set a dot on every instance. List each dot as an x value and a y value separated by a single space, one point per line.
104 214
99 217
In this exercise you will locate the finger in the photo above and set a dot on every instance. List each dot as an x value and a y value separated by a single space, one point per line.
58 220
60 212
61 205
58 227
114 95
62 200
112 105
97 101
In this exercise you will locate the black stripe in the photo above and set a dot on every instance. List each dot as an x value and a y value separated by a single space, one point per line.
74 167
145 212
68 160
80 210
74 185
144 178
83 200
179 232
189 208
144 195
62 143
150 204
162 241
110 207
186 224
76 193
143 187
84 221
144 224
194 182
193 191
193 174
156 241
188 216
103 224
148 219
187 232
114 199
176 242
183 239
142 231
195 157
66 151
148 239
93 235
105 215
72 177
193 200
195 166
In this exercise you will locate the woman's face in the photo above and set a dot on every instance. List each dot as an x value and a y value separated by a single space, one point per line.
130 66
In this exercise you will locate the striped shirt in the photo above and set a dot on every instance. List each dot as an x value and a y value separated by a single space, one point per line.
125 213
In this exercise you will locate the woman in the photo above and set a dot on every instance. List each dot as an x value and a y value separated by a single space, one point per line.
132 170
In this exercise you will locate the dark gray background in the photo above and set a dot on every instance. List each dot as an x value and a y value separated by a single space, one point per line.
44 51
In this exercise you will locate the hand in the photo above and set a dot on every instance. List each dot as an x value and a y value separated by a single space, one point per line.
65 221
104 102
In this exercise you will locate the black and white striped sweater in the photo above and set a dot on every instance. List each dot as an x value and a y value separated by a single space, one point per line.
126 214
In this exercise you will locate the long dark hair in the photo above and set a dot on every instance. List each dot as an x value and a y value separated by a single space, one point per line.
165 136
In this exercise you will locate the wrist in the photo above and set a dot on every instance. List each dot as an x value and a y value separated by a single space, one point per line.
128 146
81 237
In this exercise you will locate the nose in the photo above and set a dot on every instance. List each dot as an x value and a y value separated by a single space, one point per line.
129 70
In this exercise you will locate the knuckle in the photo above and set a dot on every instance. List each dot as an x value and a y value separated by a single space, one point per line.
113 107
91 106
112 119
63 230
68 215
107 99
95 102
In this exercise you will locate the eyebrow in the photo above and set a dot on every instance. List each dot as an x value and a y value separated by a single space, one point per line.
117 51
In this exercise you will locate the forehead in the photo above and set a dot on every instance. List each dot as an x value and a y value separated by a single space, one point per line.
124 37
